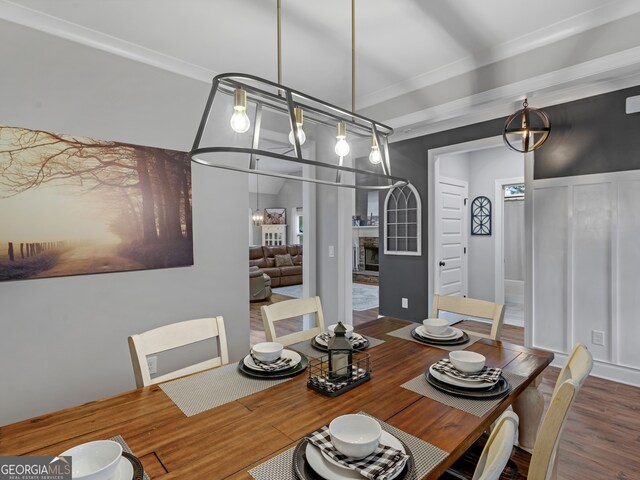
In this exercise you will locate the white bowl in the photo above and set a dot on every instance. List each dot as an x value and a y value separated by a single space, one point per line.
436 326
467 362
356 436
94 460
267 351
349 328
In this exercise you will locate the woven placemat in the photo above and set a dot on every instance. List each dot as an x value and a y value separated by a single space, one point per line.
425 455
476 407
126 448
405 334
204 391
308 351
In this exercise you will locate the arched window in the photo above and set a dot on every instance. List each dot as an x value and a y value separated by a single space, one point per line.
402 216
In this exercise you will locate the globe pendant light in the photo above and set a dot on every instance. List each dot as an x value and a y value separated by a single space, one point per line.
528 127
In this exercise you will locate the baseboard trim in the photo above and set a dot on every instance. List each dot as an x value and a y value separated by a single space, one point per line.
605 370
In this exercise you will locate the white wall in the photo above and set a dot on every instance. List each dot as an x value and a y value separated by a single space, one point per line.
585 263
64 340
455 165
485 167
481 168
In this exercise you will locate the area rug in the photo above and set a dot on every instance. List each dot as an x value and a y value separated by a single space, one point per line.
364 297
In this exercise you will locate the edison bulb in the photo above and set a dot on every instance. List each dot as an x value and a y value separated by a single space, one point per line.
342 147
240 120
375 157
301 136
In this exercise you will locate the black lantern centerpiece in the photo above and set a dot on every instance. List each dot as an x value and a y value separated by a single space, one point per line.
340 354
341 369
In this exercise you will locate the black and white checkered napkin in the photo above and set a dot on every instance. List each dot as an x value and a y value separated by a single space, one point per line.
334 385
279 364
357 341
380 465
486 374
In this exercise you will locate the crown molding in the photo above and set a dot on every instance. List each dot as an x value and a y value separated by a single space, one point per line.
602 75
46 23
539 38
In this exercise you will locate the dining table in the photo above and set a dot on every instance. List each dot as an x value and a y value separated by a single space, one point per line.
227 441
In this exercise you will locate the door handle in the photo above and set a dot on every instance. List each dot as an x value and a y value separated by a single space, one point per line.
441 263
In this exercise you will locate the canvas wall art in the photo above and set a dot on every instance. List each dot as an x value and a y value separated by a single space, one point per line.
72 205
275 216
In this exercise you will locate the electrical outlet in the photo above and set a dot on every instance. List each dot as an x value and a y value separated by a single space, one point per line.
405 303
597 337
152 363
332 251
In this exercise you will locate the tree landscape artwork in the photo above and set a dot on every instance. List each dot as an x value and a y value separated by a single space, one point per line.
72 205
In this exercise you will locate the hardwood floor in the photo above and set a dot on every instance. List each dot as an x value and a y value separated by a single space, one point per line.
601 439
295 324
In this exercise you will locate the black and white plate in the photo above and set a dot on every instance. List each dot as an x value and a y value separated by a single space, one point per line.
328 471
451 333
499 390
461 383
323 347
290 354
433 341
289 372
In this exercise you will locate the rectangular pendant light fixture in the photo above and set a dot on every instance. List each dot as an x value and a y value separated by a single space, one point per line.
247 117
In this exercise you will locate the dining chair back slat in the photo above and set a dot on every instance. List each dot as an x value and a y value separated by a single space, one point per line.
173 336
291 309
471 307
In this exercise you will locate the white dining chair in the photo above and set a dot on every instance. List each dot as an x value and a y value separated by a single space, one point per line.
498 448
473 308
290 309
496 452
173 336
543 464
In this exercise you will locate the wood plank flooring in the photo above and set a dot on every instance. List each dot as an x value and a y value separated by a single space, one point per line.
601 439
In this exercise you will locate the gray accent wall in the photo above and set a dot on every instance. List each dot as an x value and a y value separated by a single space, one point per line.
591 135
588 136
63 341
406 276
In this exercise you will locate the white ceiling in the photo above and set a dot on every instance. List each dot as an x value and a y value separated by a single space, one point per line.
402 46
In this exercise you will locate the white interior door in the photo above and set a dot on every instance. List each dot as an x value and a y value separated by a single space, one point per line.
451 237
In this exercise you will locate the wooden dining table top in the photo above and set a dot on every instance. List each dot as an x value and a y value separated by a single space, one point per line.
226 441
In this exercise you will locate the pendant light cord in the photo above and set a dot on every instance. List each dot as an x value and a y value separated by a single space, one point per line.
279 28
353 55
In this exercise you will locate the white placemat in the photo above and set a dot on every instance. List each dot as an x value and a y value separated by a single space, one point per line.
405 334
425 456
307 350
476 407
204 391
126 448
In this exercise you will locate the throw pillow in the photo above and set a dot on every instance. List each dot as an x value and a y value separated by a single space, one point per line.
284 260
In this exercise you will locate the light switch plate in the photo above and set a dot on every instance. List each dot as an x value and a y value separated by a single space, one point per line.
405 303
332 251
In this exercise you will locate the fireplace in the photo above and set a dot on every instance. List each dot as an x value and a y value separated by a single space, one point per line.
368 254
371 258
